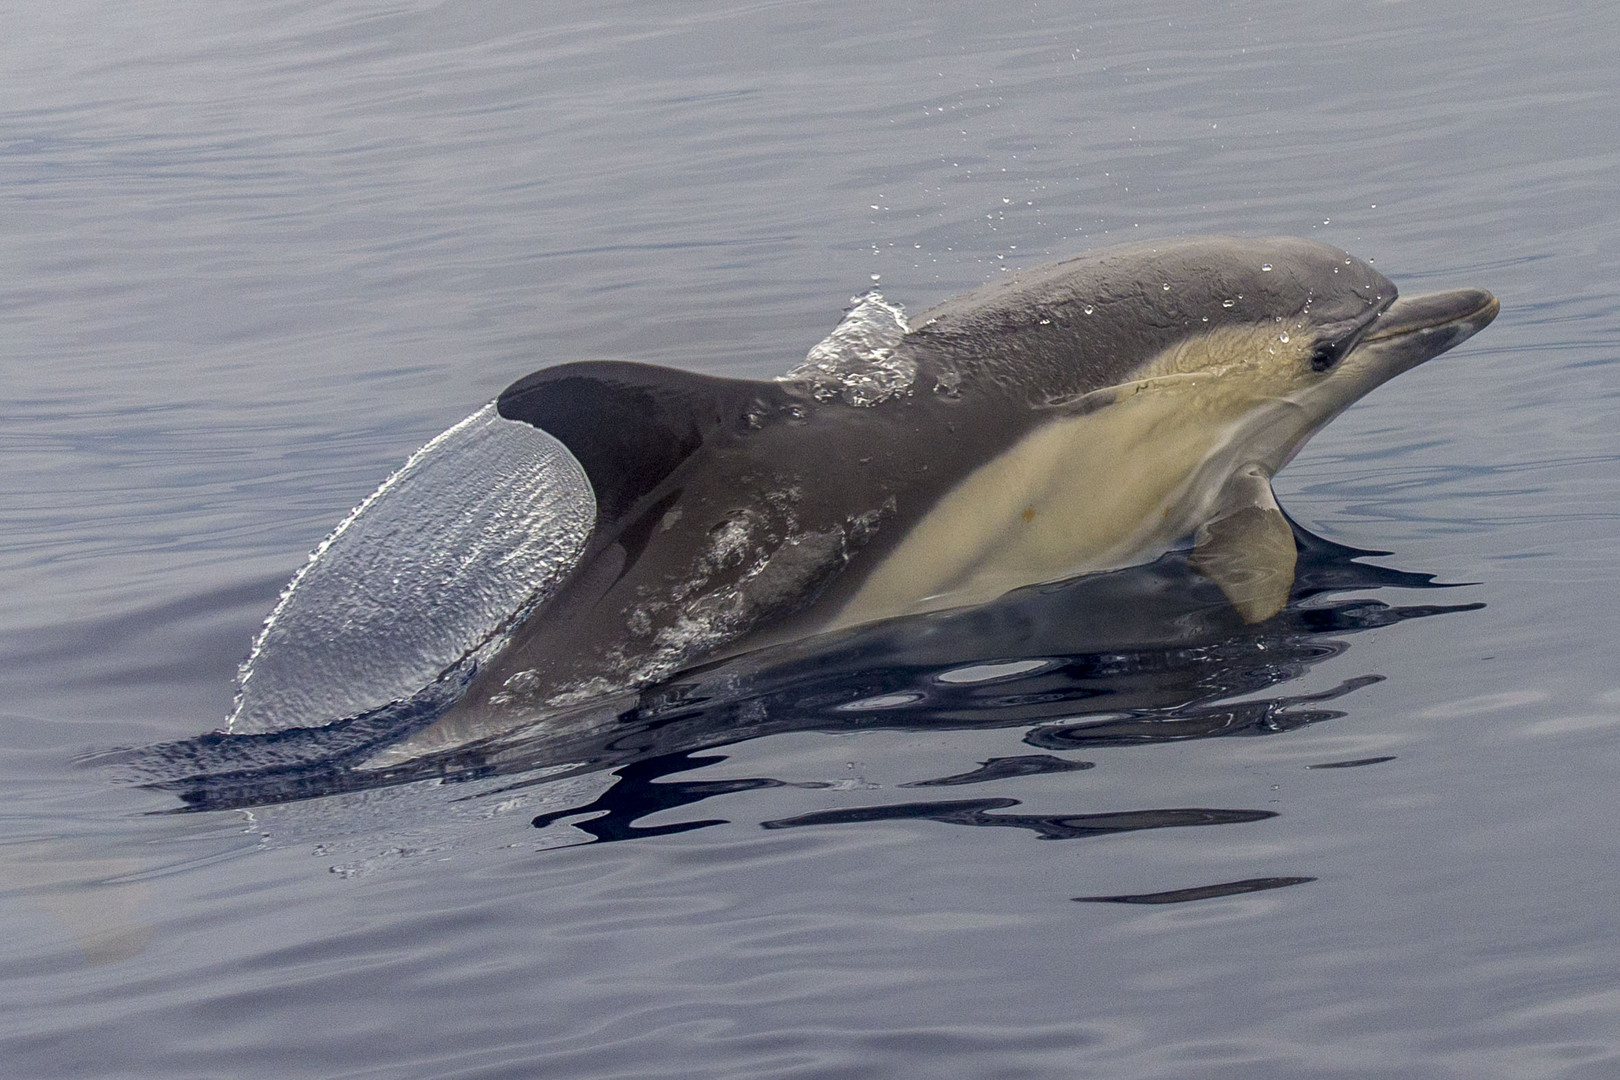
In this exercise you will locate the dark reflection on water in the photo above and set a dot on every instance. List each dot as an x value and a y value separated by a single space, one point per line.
1266 717
636 795
1356 764
1046 826
1146 655
1003 768
1202 892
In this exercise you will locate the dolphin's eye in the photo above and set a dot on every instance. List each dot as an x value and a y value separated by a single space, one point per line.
1325 356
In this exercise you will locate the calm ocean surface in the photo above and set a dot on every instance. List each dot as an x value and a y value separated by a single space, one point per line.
254 255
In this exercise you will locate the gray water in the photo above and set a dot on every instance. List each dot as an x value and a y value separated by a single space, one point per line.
254 255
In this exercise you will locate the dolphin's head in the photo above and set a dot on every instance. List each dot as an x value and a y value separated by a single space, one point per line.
1346 365
1314 331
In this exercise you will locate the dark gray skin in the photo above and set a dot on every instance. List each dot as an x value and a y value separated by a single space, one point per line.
733 514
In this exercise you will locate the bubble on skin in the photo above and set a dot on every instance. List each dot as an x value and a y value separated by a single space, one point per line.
729 540
1265 268
1228 303
1088 309
524 682
1166 286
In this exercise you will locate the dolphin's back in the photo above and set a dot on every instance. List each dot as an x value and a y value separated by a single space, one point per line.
1074 326
753 498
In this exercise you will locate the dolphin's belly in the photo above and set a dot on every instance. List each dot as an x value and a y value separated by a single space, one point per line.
1080 494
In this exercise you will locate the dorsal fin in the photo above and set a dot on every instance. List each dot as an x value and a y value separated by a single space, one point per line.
631 425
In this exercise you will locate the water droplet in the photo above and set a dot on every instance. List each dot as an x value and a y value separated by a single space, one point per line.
1166 286
1265 268
1285 337
1228 303
1088 309
877 277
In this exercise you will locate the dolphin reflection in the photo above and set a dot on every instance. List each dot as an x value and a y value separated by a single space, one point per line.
1142 655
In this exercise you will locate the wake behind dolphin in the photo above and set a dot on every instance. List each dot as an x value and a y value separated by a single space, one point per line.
1074 418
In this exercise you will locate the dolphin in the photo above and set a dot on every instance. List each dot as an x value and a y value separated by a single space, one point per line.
1076 417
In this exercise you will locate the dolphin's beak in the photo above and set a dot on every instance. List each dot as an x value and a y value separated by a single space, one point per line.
1419 328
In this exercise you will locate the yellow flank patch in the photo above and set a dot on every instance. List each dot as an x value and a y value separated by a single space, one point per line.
1269 351
1095 488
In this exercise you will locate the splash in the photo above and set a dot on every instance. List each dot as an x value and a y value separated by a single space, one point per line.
857 361
434 568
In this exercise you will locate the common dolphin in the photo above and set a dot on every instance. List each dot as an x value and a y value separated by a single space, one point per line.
1076 417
